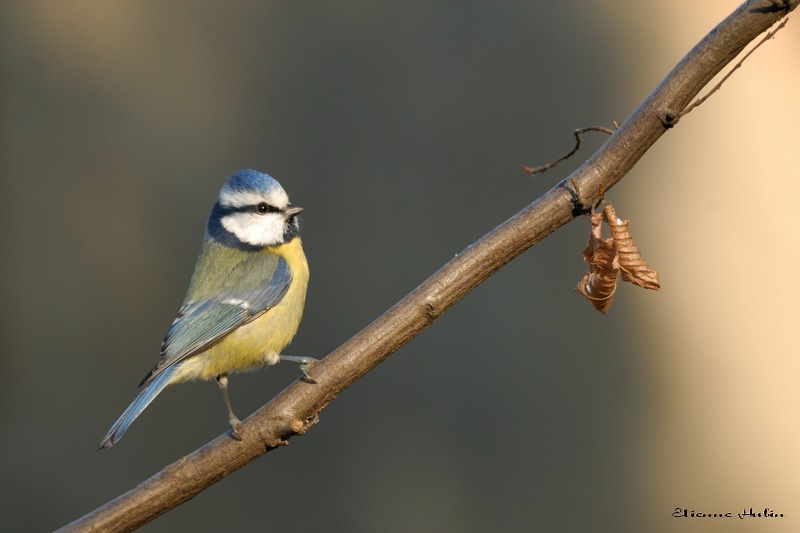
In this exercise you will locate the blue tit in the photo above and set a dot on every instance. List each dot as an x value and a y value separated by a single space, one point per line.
245 299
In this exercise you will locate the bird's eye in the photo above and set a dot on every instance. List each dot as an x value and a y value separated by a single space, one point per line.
264 207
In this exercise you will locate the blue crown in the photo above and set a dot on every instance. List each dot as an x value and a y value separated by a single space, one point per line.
248 179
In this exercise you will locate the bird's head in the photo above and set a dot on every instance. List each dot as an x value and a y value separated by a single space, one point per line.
253 211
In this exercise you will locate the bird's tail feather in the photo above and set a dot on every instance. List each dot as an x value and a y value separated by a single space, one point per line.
135 409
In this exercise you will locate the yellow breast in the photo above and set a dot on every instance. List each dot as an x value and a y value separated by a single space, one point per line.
260 341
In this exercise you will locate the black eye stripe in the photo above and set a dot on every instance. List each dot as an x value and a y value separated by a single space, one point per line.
264 207
261 208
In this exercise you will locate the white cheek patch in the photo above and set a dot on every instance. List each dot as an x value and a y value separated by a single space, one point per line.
255 229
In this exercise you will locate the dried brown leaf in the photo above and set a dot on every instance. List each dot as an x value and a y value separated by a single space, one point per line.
594 237
599 284
631 263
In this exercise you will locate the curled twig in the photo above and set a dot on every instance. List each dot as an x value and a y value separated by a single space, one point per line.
578 138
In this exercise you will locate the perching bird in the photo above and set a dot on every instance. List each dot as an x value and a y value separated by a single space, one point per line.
245 299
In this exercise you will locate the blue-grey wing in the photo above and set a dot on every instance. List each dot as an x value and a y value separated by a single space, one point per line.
201 324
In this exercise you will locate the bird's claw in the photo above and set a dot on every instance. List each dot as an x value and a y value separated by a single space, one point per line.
235 423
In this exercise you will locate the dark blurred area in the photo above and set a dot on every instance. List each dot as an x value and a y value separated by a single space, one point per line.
400 128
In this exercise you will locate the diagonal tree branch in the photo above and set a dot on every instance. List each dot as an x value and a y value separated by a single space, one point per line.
295 409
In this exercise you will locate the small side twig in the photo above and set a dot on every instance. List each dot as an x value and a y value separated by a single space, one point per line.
578 138
717 87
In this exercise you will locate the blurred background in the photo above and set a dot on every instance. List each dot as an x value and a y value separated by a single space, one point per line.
401 128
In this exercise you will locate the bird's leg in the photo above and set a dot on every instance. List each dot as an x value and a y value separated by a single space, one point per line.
222 381
305 364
